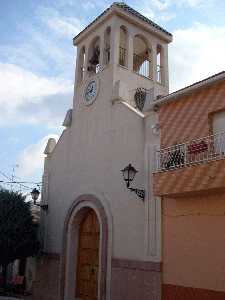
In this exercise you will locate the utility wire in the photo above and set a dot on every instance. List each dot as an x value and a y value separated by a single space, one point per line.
3 174
22 184
9 183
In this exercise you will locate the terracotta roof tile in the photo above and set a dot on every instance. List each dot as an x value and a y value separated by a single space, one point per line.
129 9
126 8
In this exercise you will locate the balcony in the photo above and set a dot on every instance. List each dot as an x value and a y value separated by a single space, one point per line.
191 167
193 152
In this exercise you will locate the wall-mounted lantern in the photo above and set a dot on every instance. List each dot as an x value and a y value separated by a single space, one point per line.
35 194
129 173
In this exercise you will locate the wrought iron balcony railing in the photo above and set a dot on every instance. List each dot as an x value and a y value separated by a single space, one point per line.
193 152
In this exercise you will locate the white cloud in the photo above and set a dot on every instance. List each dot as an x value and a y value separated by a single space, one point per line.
161 5
147 11
19 86
62 25
65 26
192 3
196 53
50 113
156 10
29 98
166 10
31 159
88 5
28 94
167 16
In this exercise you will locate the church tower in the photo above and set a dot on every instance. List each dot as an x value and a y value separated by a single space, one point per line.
126 51
105 229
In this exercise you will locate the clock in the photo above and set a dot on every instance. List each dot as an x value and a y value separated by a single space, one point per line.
91 91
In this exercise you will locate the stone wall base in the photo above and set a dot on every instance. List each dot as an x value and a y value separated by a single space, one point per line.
130 280
46 284
174 292
135 280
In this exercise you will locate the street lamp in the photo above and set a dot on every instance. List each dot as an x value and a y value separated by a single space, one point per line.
35 194
129 173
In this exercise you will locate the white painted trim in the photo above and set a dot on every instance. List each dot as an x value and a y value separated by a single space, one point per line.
140 114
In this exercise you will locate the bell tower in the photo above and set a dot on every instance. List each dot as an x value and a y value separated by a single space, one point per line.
121 68
128 52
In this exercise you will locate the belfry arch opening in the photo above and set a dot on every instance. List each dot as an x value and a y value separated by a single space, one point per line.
94 56
123 47
142 57
159 60
81 65
107 46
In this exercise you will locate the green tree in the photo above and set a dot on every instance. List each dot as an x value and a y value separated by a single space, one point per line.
18 232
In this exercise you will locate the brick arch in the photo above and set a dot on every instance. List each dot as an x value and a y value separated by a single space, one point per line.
74 215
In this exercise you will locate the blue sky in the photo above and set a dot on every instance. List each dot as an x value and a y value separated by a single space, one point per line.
37 62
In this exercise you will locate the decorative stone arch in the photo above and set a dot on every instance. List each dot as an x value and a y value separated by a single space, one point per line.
70 246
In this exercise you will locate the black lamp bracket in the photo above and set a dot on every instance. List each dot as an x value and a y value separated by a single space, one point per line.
129 173
42 206
140 193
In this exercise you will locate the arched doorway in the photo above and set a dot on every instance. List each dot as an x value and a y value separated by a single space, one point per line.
75 224
88 257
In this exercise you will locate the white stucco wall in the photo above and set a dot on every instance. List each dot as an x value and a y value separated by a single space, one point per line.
88 158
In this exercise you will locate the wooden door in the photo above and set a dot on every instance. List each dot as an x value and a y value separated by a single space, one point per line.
88 258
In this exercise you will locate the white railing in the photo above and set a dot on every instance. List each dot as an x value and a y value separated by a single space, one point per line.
193 152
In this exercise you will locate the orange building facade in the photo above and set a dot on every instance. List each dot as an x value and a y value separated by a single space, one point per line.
190 179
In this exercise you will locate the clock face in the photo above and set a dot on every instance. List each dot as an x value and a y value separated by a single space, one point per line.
90 92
